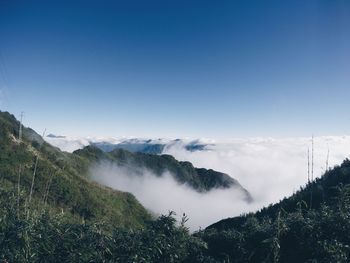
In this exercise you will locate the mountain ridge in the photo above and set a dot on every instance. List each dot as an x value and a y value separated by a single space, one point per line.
63 173
200 179
150 146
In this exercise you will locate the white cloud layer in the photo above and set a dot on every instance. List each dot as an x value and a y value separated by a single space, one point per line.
268 168
162 194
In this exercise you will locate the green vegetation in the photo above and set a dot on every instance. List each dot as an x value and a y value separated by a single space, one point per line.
60 181
71 219
302 234
34 235
294 230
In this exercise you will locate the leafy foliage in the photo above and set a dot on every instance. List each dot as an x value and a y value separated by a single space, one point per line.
61 181
30 234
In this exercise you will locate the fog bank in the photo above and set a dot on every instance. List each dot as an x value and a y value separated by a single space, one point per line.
268 168
163 194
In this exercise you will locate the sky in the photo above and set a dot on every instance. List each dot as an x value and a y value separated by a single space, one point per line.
177 68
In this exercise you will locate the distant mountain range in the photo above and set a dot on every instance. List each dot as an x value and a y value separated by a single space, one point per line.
151 146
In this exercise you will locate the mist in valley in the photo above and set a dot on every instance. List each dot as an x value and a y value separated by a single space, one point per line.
270 169
161 194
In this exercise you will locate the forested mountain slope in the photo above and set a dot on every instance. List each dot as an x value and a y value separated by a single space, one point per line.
313 225
60 180
200 179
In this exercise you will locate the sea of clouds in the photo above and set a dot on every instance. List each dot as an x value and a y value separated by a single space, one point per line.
268 168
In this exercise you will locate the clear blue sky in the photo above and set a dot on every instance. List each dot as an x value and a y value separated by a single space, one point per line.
177 68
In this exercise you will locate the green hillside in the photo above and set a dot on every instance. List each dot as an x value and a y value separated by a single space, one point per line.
71 219
290 231
313 225
199 179
60 180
